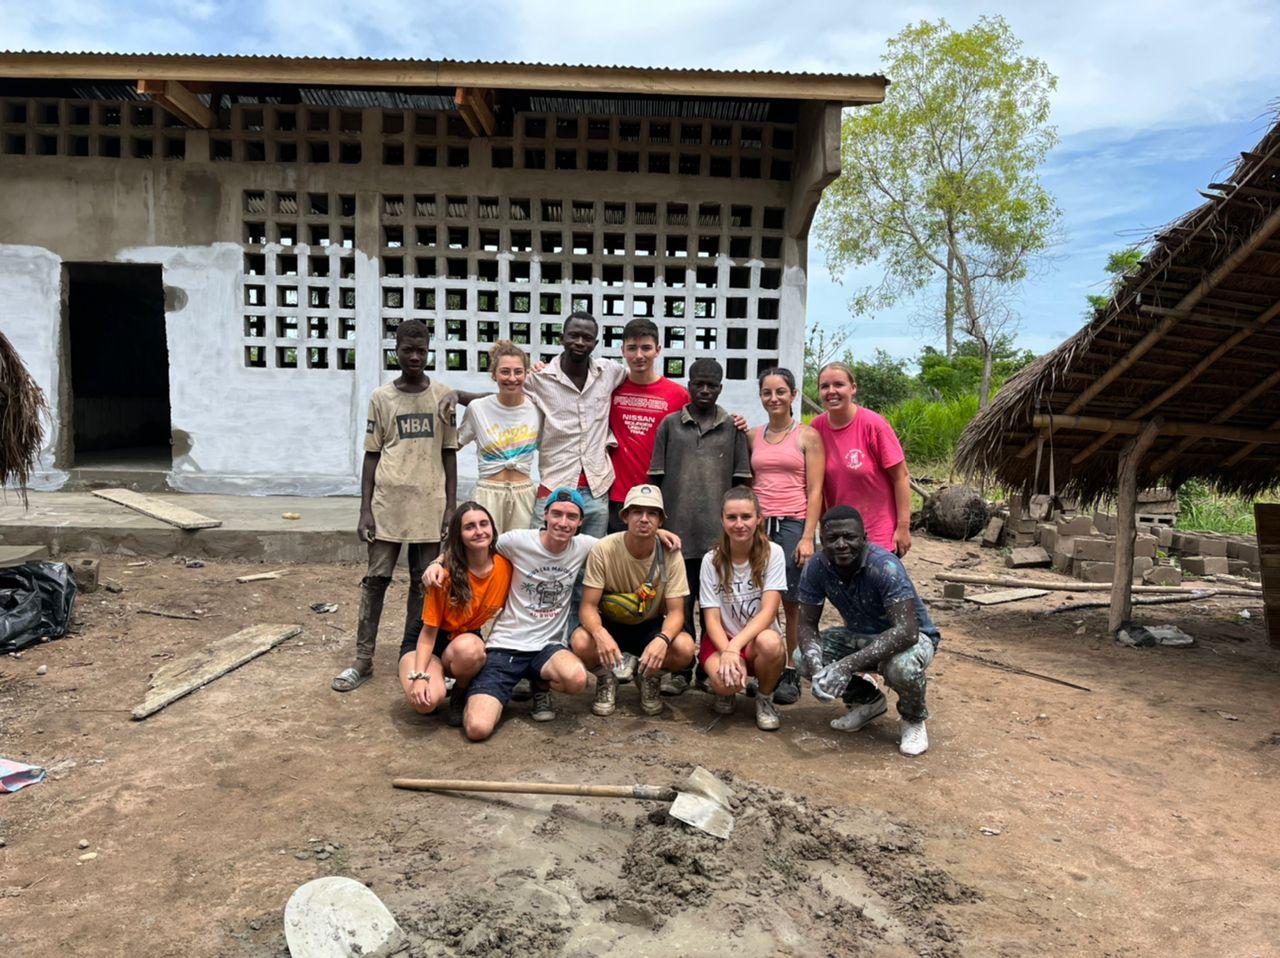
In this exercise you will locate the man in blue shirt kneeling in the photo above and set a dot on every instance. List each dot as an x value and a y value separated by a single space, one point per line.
886 629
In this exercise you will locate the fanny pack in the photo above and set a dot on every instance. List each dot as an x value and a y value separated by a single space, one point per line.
632 608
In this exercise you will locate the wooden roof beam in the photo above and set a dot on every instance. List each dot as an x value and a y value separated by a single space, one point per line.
476 107
1183 445
1129 427
1247 450
1187 303
178 100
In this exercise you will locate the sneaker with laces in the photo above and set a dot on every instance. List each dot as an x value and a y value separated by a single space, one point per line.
788 690
544 709
675 683
915 740
766 715
626 669
606 692
457 705
724 704
651 693
859 716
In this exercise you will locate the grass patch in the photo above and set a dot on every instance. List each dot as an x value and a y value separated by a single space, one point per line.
1202 509
929 428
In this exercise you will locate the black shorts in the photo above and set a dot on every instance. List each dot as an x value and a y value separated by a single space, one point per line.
634 638
408 645
503 668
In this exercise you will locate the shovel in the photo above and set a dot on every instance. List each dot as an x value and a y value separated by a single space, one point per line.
701 800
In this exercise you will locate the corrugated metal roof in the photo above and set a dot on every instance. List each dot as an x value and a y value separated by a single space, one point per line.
234 70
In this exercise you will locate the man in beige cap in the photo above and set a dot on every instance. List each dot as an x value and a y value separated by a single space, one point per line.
633 602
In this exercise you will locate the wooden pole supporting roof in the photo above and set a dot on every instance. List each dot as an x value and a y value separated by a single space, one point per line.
1126 507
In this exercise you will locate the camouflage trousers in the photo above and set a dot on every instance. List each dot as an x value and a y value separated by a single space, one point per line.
904 672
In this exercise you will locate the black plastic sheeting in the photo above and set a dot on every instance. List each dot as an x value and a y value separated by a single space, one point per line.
36 599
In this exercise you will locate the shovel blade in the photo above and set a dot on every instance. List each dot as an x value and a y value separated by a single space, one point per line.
701 782
703 814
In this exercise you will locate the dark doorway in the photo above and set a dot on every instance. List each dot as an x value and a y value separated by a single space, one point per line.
119 365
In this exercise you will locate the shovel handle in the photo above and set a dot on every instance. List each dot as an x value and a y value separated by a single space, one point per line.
653 793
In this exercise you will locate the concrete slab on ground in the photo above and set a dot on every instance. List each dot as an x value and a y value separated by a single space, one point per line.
253 527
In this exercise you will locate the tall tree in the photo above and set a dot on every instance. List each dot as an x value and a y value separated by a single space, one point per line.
940 180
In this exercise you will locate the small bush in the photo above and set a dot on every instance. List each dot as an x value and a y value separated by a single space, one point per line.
1202 509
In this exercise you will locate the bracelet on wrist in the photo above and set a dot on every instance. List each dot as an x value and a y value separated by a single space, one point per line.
664 637
414 676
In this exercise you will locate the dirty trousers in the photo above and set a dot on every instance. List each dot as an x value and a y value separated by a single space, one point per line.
383 556
904 672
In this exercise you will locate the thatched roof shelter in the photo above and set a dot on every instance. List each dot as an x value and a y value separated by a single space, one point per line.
1187 352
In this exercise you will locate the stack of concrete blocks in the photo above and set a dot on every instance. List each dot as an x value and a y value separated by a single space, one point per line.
1081 549
1157 509
1017 525
1212 553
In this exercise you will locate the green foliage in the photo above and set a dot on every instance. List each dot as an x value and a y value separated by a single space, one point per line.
928 428
947 162
1120 264
961 374
1200 508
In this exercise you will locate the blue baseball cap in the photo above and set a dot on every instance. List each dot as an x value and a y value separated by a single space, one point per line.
565 494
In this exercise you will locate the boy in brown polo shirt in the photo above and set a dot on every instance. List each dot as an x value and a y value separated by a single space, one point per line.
408 490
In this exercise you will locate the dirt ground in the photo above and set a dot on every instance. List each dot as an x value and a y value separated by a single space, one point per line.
1137 818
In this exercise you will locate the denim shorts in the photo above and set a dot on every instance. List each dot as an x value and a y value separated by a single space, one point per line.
503 668
786 532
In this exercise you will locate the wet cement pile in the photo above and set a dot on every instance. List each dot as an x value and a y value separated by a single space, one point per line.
794 878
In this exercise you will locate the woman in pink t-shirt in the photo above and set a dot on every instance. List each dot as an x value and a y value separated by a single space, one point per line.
865 465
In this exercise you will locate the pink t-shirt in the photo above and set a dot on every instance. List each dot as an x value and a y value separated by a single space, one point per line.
859 456
634 414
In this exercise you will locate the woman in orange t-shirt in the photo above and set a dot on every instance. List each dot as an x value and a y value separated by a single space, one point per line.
473 592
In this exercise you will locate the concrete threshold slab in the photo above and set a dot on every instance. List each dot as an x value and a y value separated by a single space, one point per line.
253 527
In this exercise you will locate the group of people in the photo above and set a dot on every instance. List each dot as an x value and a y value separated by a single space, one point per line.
652 503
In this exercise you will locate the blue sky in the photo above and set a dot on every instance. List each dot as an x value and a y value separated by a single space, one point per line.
1154 97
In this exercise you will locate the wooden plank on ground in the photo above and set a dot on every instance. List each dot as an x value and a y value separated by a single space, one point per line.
176 679
260 576
17 555
156 509
1005 595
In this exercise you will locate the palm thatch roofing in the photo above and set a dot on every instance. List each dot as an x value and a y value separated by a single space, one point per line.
1190 339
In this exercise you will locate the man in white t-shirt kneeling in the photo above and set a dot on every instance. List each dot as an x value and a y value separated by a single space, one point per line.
527 637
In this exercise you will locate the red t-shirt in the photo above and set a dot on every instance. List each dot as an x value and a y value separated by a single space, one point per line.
859 456
634 414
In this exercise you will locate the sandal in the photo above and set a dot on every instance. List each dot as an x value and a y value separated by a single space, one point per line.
349 679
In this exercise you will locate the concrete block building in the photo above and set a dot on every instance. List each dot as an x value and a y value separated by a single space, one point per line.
203 259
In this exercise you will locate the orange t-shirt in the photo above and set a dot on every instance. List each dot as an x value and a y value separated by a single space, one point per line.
488 596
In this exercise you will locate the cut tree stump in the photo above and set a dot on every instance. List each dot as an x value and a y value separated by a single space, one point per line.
955 512
176 679
174 515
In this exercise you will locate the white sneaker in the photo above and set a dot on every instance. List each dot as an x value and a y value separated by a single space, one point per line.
915 740
625 670
606 693
766 715
859 716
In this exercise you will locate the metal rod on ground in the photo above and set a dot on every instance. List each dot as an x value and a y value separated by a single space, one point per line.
1006 667
1011 582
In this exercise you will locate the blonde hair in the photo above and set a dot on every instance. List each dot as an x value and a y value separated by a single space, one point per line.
843 367
505 347
722 557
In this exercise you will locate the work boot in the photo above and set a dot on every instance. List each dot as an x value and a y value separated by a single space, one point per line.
457 705
626 669
522 691
724 704
860 715
788 690
675 683
606 692
544 709
766 715
651 693
915 740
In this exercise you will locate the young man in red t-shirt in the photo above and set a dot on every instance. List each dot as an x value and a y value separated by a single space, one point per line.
638 405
